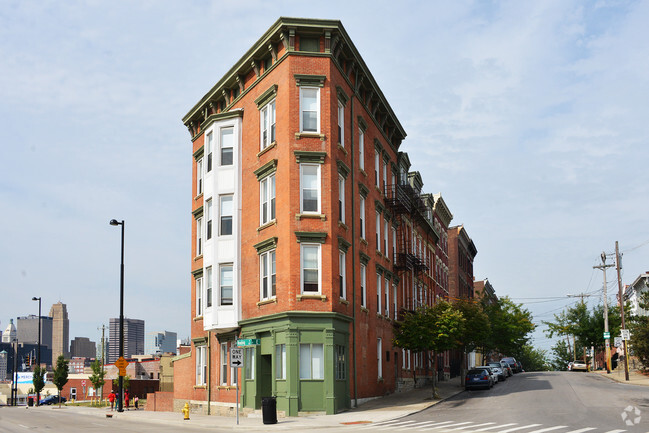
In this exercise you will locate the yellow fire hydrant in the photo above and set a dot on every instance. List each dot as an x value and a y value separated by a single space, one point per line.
185 411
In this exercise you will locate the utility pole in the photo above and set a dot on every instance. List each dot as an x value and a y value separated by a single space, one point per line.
103 351
620 294
607 340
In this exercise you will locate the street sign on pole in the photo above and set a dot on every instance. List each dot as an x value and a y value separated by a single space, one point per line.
236 357
617 341
625 334
243 342
607 335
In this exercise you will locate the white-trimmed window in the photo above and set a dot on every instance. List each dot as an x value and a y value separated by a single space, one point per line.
311 361
249 363
227 146
342 275
377 163
341 364
362 216
341 198
199 236
224 364
310 268
341 124
394 301
199 297
225 285
209 148
208 215
280 361
201 365
208 293
387 298
378 293
310 109
199 177
386 234
310 188
394 244
363 286
267 199
227 208
267 277
378 231
379 357
267 115
361 149
385 177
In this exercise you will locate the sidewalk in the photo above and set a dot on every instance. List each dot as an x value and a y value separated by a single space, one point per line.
635 377
381 409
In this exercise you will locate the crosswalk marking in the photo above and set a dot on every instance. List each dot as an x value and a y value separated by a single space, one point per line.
582 430
495 426
543 430
418 425
615 431
395 424
438 424
473 426
519 428
448 425
379 424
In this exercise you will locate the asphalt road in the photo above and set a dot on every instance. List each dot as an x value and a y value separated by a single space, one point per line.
557 402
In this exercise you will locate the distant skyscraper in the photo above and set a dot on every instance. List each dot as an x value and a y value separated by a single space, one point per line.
60 331
82 347
10 333
133 338
4 360
27 330
158 343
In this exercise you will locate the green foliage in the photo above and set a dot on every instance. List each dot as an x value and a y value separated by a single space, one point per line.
477 327
60 374
532 359
511 325
586 326
37 380
639 328
98 374
562 355
127 382
435 328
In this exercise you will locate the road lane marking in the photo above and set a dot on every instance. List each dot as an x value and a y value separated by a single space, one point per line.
556 427
495 426
472 426
519 428
582 430
615 431
395 424
449 425
378 424
417 425
436 424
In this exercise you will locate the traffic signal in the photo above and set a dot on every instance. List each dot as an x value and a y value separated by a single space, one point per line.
28 362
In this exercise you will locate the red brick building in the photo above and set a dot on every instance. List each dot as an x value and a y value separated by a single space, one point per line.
309 231
461 252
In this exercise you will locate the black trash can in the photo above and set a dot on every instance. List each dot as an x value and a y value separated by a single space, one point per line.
30 401
269 410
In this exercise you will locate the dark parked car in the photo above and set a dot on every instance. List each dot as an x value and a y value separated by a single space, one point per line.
478 378
512 363
52 399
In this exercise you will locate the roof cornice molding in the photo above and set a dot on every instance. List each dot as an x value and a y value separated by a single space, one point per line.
442 209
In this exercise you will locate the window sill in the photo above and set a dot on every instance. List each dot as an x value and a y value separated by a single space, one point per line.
299 216
342 225
342 148
197 318
364 242
198 197
268 224
268 148
344 301
379 253
197 258
364 310
267 301
299 135
226 387
317 296
200 386
363 172
376 187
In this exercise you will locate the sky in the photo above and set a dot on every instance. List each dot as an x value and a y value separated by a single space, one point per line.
531 119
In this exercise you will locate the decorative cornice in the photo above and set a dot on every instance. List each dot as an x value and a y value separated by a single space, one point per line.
197 273
198 212
316 237
199 341
266 169
343 244
267 96
342 168
309 80
379 206
266 245
342 96
364 258
363 190
378 145
199 153
305 156
362 124
224 115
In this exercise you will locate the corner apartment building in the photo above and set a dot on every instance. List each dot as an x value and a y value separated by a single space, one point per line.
462 252
309 231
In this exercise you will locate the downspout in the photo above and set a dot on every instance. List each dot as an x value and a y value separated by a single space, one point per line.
209 370
353 237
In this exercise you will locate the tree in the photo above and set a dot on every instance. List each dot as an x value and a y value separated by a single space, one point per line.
533 359
562 356
511 325
60 375
639 328
97 378
430 329
476 329
38 381
125 384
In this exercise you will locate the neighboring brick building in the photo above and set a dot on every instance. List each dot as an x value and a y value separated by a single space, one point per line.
461 252
309 232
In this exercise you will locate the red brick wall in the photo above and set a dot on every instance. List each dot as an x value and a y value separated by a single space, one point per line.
160 402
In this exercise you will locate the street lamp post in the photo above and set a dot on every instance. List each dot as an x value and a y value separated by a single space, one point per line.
120 391
38 357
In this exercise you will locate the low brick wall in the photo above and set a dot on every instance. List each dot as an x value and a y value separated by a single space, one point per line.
160 402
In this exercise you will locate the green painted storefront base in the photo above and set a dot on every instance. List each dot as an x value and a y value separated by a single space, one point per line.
278 371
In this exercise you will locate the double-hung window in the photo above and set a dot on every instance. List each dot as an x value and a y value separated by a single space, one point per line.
379 357
310 188
199 297
249 363
378 231
199 177
361 149
225 282
267 114
310 258
208 215
341 124
227 146
311 361
199 236
226 215
267 199
394 301
201 365
387 298
386 234
208 293
385 177
377 162
363 286
341 198
310 109
224 364
362 216
394 244
342 275
267 270
378 293
209 148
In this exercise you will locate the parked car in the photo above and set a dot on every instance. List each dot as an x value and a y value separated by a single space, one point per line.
507 368
570 366
492 373
579 366
512 363
51 399
478 378
498 371
520 367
